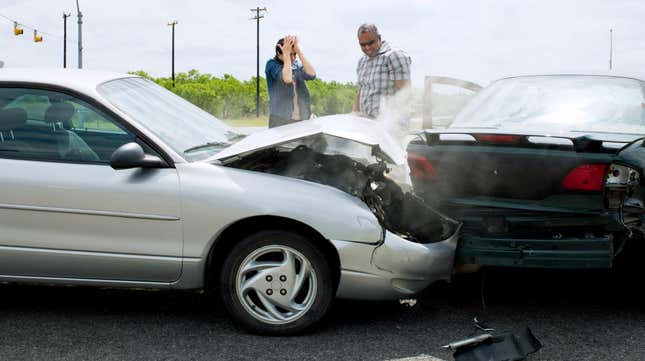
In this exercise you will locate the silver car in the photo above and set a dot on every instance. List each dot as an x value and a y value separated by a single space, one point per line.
110 180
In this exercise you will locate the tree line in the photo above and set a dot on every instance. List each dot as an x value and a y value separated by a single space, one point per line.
227 97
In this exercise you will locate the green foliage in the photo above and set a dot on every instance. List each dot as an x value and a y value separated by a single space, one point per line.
228 97
331 97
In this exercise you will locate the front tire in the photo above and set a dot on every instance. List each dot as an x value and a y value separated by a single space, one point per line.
276 283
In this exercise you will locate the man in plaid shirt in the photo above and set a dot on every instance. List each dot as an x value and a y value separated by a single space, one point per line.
381 72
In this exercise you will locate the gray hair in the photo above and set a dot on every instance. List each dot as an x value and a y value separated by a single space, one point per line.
367 28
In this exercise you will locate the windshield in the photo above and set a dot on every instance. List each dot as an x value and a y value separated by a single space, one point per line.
190 131
558 103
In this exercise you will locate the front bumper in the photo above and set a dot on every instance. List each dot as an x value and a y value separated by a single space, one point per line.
393 269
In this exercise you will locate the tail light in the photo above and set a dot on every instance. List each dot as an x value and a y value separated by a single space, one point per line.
420 167
588 177
497 138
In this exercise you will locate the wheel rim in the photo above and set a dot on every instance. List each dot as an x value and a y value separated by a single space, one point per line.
276 284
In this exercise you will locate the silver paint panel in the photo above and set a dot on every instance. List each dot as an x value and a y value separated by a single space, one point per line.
214 197
81 207
49 263
394 269
88 212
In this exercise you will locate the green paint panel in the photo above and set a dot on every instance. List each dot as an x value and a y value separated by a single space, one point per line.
536 253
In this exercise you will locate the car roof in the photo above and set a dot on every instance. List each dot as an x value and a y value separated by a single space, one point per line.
77 79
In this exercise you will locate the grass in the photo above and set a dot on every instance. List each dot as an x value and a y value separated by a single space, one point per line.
262 121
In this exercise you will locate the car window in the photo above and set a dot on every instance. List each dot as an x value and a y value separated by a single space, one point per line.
35 105
52 126
189 130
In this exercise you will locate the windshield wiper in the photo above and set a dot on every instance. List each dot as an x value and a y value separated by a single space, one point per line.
207 145
234 136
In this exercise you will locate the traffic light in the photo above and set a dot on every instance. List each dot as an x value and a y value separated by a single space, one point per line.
16 29
37 38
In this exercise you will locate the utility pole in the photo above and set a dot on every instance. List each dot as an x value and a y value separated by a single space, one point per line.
173 23
65 16
257 18
611 46
80 36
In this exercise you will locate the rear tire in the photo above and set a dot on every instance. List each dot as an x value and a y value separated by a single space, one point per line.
276 282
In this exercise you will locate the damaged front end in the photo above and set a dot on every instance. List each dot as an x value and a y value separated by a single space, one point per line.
401 213
418 245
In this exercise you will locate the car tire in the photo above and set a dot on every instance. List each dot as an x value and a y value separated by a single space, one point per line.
276 282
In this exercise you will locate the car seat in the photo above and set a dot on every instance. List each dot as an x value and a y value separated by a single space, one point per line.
70 145
10 144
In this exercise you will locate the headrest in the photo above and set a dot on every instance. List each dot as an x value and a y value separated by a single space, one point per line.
59 112
12 118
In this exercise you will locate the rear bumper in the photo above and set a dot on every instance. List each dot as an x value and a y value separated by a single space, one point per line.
560 240
394 269
571 253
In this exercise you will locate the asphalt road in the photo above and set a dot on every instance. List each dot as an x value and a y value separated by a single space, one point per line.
581 315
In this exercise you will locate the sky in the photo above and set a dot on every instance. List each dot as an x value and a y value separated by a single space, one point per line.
473 40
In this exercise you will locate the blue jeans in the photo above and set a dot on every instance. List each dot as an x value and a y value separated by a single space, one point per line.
276 121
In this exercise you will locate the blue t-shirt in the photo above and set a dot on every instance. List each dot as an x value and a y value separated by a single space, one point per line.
281 94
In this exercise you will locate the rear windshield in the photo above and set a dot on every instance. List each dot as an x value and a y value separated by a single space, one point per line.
559 103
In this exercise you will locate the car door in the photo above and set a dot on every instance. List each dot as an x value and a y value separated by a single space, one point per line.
64 212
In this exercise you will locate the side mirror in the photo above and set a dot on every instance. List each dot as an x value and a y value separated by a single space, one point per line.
131 155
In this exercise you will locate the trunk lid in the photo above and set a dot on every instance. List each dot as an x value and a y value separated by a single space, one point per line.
494 163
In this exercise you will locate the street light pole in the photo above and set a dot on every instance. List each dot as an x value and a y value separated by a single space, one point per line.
611 46
257 18
65 16
80 36
173 23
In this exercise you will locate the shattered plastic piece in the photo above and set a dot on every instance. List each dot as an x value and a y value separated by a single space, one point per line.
410 302
468 341
496 347
482 326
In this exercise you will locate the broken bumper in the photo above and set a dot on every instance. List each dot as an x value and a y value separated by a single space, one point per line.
393 269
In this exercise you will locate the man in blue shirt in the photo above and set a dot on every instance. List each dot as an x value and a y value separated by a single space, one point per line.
289 99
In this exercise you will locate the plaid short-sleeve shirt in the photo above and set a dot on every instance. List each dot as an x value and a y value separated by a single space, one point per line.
376 76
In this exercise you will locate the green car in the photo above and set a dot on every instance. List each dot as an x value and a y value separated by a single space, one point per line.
543 171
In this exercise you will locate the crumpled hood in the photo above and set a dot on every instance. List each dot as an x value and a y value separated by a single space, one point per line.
332 134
